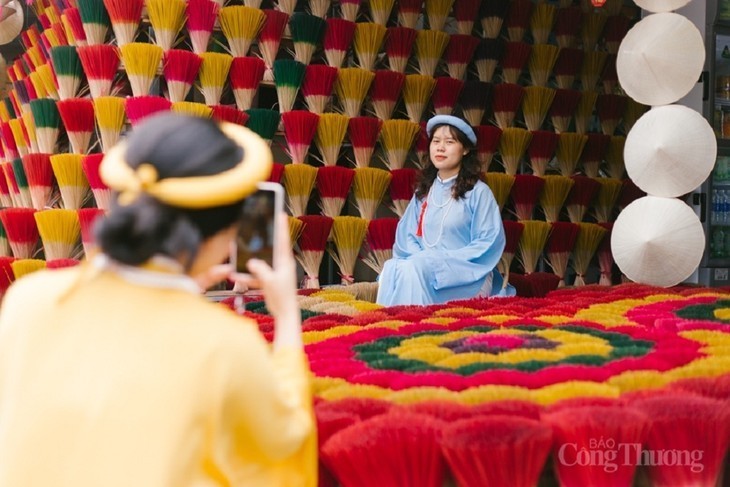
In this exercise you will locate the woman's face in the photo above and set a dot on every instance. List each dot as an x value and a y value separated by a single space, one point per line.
446 152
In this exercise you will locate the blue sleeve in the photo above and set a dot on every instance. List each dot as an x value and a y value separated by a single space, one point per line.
406 242
473 262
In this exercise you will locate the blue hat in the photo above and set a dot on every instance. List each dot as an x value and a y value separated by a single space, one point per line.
454 122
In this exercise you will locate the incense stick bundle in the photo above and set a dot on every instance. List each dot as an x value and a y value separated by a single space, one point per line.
608 193
201 18
307 33
102 194
398 47
610 108
487 143
95 20
59 231
331 130
312 243
396 138
240 25
584 112
337 40
593 153
466 12
589 237
429 48
231 114
380 11
518 19
541 22
78 118
277 173
581 197
8 175
21 231
275 23
213 74
39 173
570 147
72 182
535 105
363 133
417 91
125 16
299 129
609 75
21 182
505 103
492 17
180 70
553 196
141 62
333 186
140 107
541 63
565 103
402 186
317 7
74 27
47 123
380 241
88 217
366 43
349 9
319 81
295 229
68 70
629 193
487 56
264 122
532 242
592 25
512 233
369 187
614 31
525 194
560 245
246 74
409 12
590 71
615 157
436 13
298 180
501 185
567 24
459 53
100 63
110 118
446 93
19 135
514 60
566 67
512 146
605 256
352 86
348 234
10 150
24 267
167 18
541 150
288 77
29 126
48 78
385 92
192 108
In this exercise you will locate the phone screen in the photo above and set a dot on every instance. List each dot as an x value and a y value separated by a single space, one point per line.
256 232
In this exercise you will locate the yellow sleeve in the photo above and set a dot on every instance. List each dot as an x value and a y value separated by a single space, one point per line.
269 400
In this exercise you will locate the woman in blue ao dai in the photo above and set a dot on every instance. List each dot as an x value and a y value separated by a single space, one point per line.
450 239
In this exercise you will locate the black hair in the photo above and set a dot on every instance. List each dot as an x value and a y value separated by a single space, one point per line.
469 171
177 146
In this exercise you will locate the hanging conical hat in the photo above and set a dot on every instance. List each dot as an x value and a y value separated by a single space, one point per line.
661 5
660 59
12 25
657 241
670 151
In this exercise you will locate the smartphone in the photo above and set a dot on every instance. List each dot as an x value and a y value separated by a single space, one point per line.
256 234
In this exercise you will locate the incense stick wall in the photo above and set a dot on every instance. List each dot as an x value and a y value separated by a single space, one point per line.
345 86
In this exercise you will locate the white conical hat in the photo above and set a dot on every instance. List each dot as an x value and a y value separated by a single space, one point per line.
670 151
12 25
661 5
657 241
660 59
